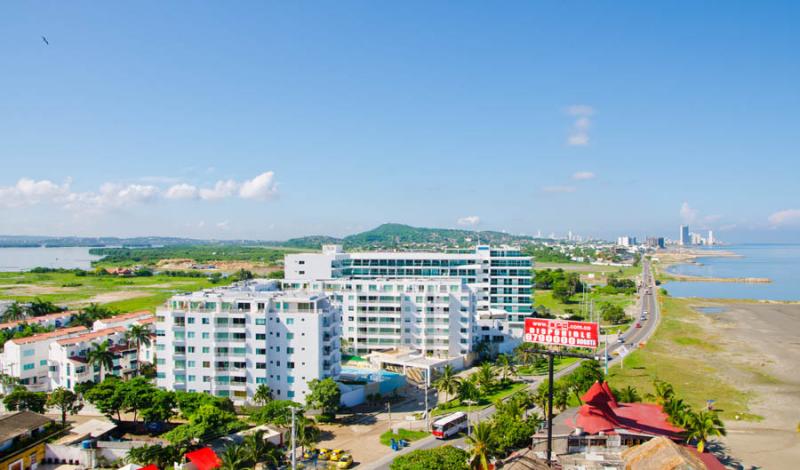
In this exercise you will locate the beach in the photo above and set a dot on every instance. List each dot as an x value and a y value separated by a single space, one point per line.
760 354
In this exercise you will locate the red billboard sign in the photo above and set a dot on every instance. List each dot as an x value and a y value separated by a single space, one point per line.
578 334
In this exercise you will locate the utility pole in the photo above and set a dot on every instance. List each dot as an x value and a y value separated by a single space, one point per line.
294 449
427 410
389 408
550 407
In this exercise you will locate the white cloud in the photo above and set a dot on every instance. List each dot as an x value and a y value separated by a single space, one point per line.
688 214
262 187
579 133
583 175
223 225
181 191
559 189
28 192
785 217
221 190
469 221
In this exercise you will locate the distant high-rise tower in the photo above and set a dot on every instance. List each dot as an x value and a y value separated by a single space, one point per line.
710 237
684 239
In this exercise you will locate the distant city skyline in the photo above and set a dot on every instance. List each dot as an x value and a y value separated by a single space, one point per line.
273 121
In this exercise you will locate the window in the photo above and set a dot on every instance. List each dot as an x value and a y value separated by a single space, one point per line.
206 349
160 347
190 349
28 366
289 394
289 350
261 321
261 365
205 321
261 380
261 351
290 365
190 320
206 364
289 379
191 378
28 353
190 363
190 334
289 335
261 336
43 362
290 321
205 335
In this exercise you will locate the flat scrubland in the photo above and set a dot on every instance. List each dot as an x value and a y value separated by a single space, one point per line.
121 293
745 358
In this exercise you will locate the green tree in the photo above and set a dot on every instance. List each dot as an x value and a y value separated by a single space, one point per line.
235 457
306 433
325 396
447 382
160 455
20 399
526 353
108 397
8 382
481 443
277 412
664 392
161 406
38 307
612 313
263 395
207 422
438 458
700 426
138 335
467 391
628 395
101 356
485 378
14 312
505 367
66 401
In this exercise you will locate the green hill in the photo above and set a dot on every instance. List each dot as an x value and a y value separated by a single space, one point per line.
397 235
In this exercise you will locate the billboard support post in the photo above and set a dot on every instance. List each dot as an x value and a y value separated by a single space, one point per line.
550 408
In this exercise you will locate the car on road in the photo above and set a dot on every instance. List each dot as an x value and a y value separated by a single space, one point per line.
324 454
638 325
620 339
336 454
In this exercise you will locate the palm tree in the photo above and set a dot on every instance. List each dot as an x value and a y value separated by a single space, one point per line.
344 345
81 319
235 457
255 446
481 443
702 425
560 397
139 335
467 391
540 399
101 356
485 377
677 410
525 353
14 312
263 395
629 395
505 367
96 311
447 382
664 392
306 432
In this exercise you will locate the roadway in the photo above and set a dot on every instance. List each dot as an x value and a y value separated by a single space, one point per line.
633 337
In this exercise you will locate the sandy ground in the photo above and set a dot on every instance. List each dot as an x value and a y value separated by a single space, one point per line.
761 341
115 296
220 266
33 289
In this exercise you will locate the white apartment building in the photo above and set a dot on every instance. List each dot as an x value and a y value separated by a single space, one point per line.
57 320
125 319
501 276
68 357
434 317
228 341
28 358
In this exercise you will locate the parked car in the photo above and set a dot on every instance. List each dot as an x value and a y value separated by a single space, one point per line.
620 339
324 454
336 454
638 325
345 461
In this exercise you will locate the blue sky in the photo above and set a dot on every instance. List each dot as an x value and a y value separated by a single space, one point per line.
277 119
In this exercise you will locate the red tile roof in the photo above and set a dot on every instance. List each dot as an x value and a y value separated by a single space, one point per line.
127 316
53 334
41 319
601 412
92 335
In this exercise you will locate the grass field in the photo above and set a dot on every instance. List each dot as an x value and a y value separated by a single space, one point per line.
124 294
410 436
558 364
681 352
545 298
484 402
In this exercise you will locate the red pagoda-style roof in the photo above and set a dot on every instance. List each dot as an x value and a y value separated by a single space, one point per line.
601 413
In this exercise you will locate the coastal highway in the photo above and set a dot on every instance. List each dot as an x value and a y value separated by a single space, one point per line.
633 337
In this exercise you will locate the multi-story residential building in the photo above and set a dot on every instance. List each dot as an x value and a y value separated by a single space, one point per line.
501 276
68 357
27 358
56 320
431 316
228 341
